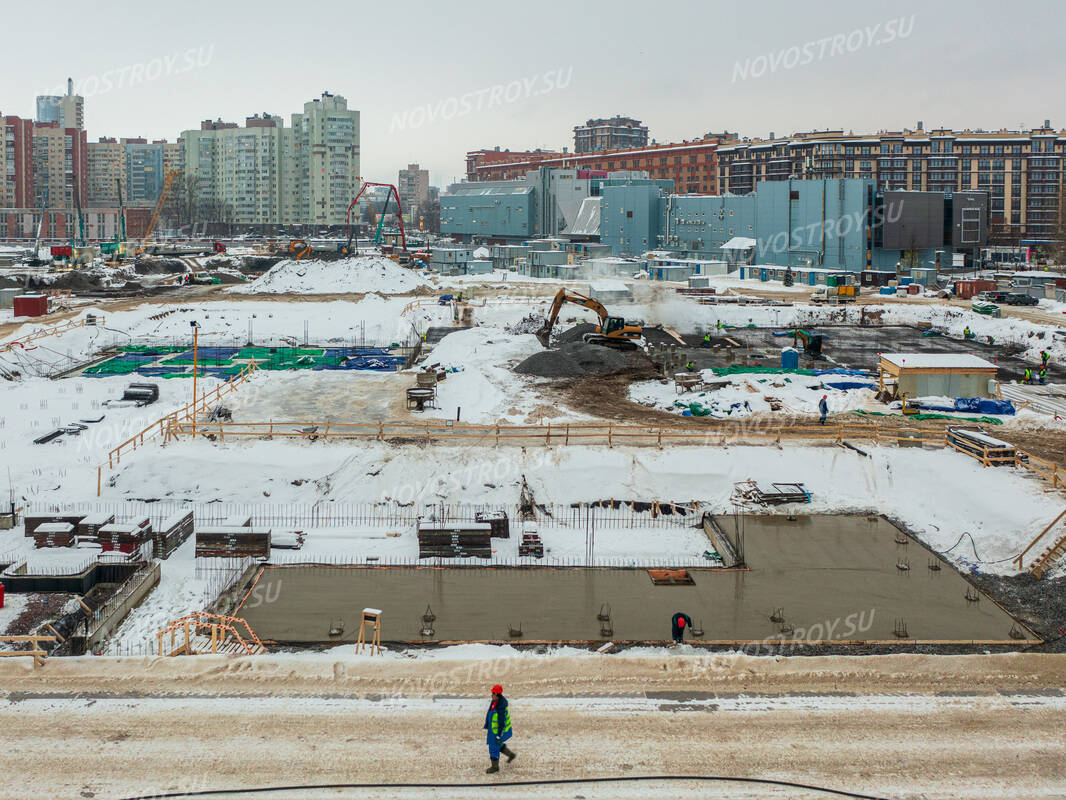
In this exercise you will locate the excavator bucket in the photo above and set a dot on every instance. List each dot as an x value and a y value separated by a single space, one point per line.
544 335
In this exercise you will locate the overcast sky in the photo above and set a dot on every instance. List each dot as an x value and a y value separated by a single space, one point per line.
435 79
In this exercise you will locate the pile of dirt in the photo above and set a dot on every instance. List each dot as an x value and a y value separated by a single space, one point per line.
158 265
75 280
577 359
258 263
576 333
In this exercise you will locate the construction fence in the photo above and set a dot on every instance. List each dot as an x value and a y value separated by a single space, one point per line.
300 516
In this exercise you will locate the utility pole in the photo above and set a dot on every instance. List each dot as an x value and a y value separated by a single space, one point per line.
195 346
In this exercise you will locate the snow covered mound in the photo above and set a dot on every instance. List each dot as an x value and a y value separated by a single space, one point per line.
350 275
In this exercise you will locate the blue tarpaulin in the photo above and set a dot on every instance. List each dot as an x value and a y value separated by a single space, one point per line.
973 405
840 371
984 405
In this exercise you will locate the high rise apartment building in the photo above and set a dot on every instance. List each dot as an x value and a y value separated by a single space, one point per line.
60 166
66 111
413 186
16 162
265 173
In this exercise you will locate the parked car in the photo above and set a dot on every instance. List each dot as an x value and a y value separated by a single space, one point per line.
1021 299
993 297
204 278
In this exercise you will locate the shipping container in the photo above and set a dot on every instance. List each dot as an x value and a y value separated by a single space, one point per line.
31 305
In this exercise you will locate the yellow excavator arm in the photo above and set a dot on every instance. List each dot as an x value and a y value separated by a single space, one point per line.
611 331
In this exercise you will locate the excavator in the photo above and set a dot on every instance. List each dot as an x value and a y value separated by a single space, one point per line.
611 332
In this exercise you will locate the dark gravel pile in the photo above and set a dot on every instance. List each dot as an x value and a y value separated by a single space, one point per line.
1041 605
577 359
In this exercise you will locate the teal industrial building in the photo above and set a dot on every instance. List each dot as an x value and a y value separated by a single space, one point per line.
837 224
840 224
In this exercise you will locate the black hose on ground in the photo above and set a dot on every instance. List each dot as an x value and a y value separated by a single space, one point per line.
496 784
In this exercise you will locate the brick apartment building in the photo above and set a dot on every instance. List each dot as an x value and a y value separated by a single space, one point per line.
692 166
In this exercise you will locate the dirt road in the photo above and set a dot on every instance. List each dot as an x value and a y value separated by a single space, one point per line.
892 726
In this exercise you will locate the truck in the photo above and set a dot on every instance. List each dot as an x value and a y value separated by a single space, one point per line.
1020 299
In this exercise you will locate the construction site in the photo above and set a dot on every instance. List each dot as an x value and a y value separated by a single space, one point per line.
284 492
349 481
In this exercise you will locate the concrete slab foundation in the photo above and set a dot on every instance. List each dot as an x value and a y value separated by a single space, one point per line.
834 578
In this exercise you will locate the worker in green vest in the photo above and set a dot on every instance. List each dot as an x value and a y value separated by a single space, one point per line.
1028 377
690 365
707 339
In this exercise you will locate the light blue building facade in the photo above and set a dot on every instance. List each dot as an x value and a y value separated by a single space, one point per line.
547 202
834 224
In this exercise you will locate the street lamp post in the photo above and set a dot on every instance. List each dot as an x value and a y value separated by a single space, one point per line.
195 347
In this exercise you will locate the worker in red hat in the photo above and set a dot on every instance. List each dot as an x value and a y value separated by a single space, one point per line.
498 729
823 407
678 623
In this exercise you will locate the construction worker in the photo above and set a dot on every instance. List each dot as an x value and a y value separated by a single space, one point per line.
690 365
678 623
707 339
459 297
1028 376
1042 375
823 407
718 324
967 333
498 729
1045 357
991 339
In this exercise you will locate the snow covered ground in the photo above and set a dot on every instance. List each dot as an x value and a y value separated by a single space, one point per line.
940 494
373 319
481 386
744 394
356 275
14 605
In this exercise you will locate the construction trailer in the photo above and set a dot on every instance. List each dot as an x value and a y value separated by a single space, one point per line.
936 375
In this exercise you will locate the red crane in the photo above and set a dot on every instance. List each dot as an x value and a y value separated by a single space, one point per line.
399 212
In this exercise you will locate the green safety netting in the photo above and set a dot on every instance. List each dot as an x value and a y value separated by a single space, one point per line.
988 420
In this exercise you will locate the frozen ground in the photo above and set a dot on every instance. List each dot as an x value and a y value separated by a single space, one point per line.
745 394
14 604
481 386
35 406
372 320
940 494
893 726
